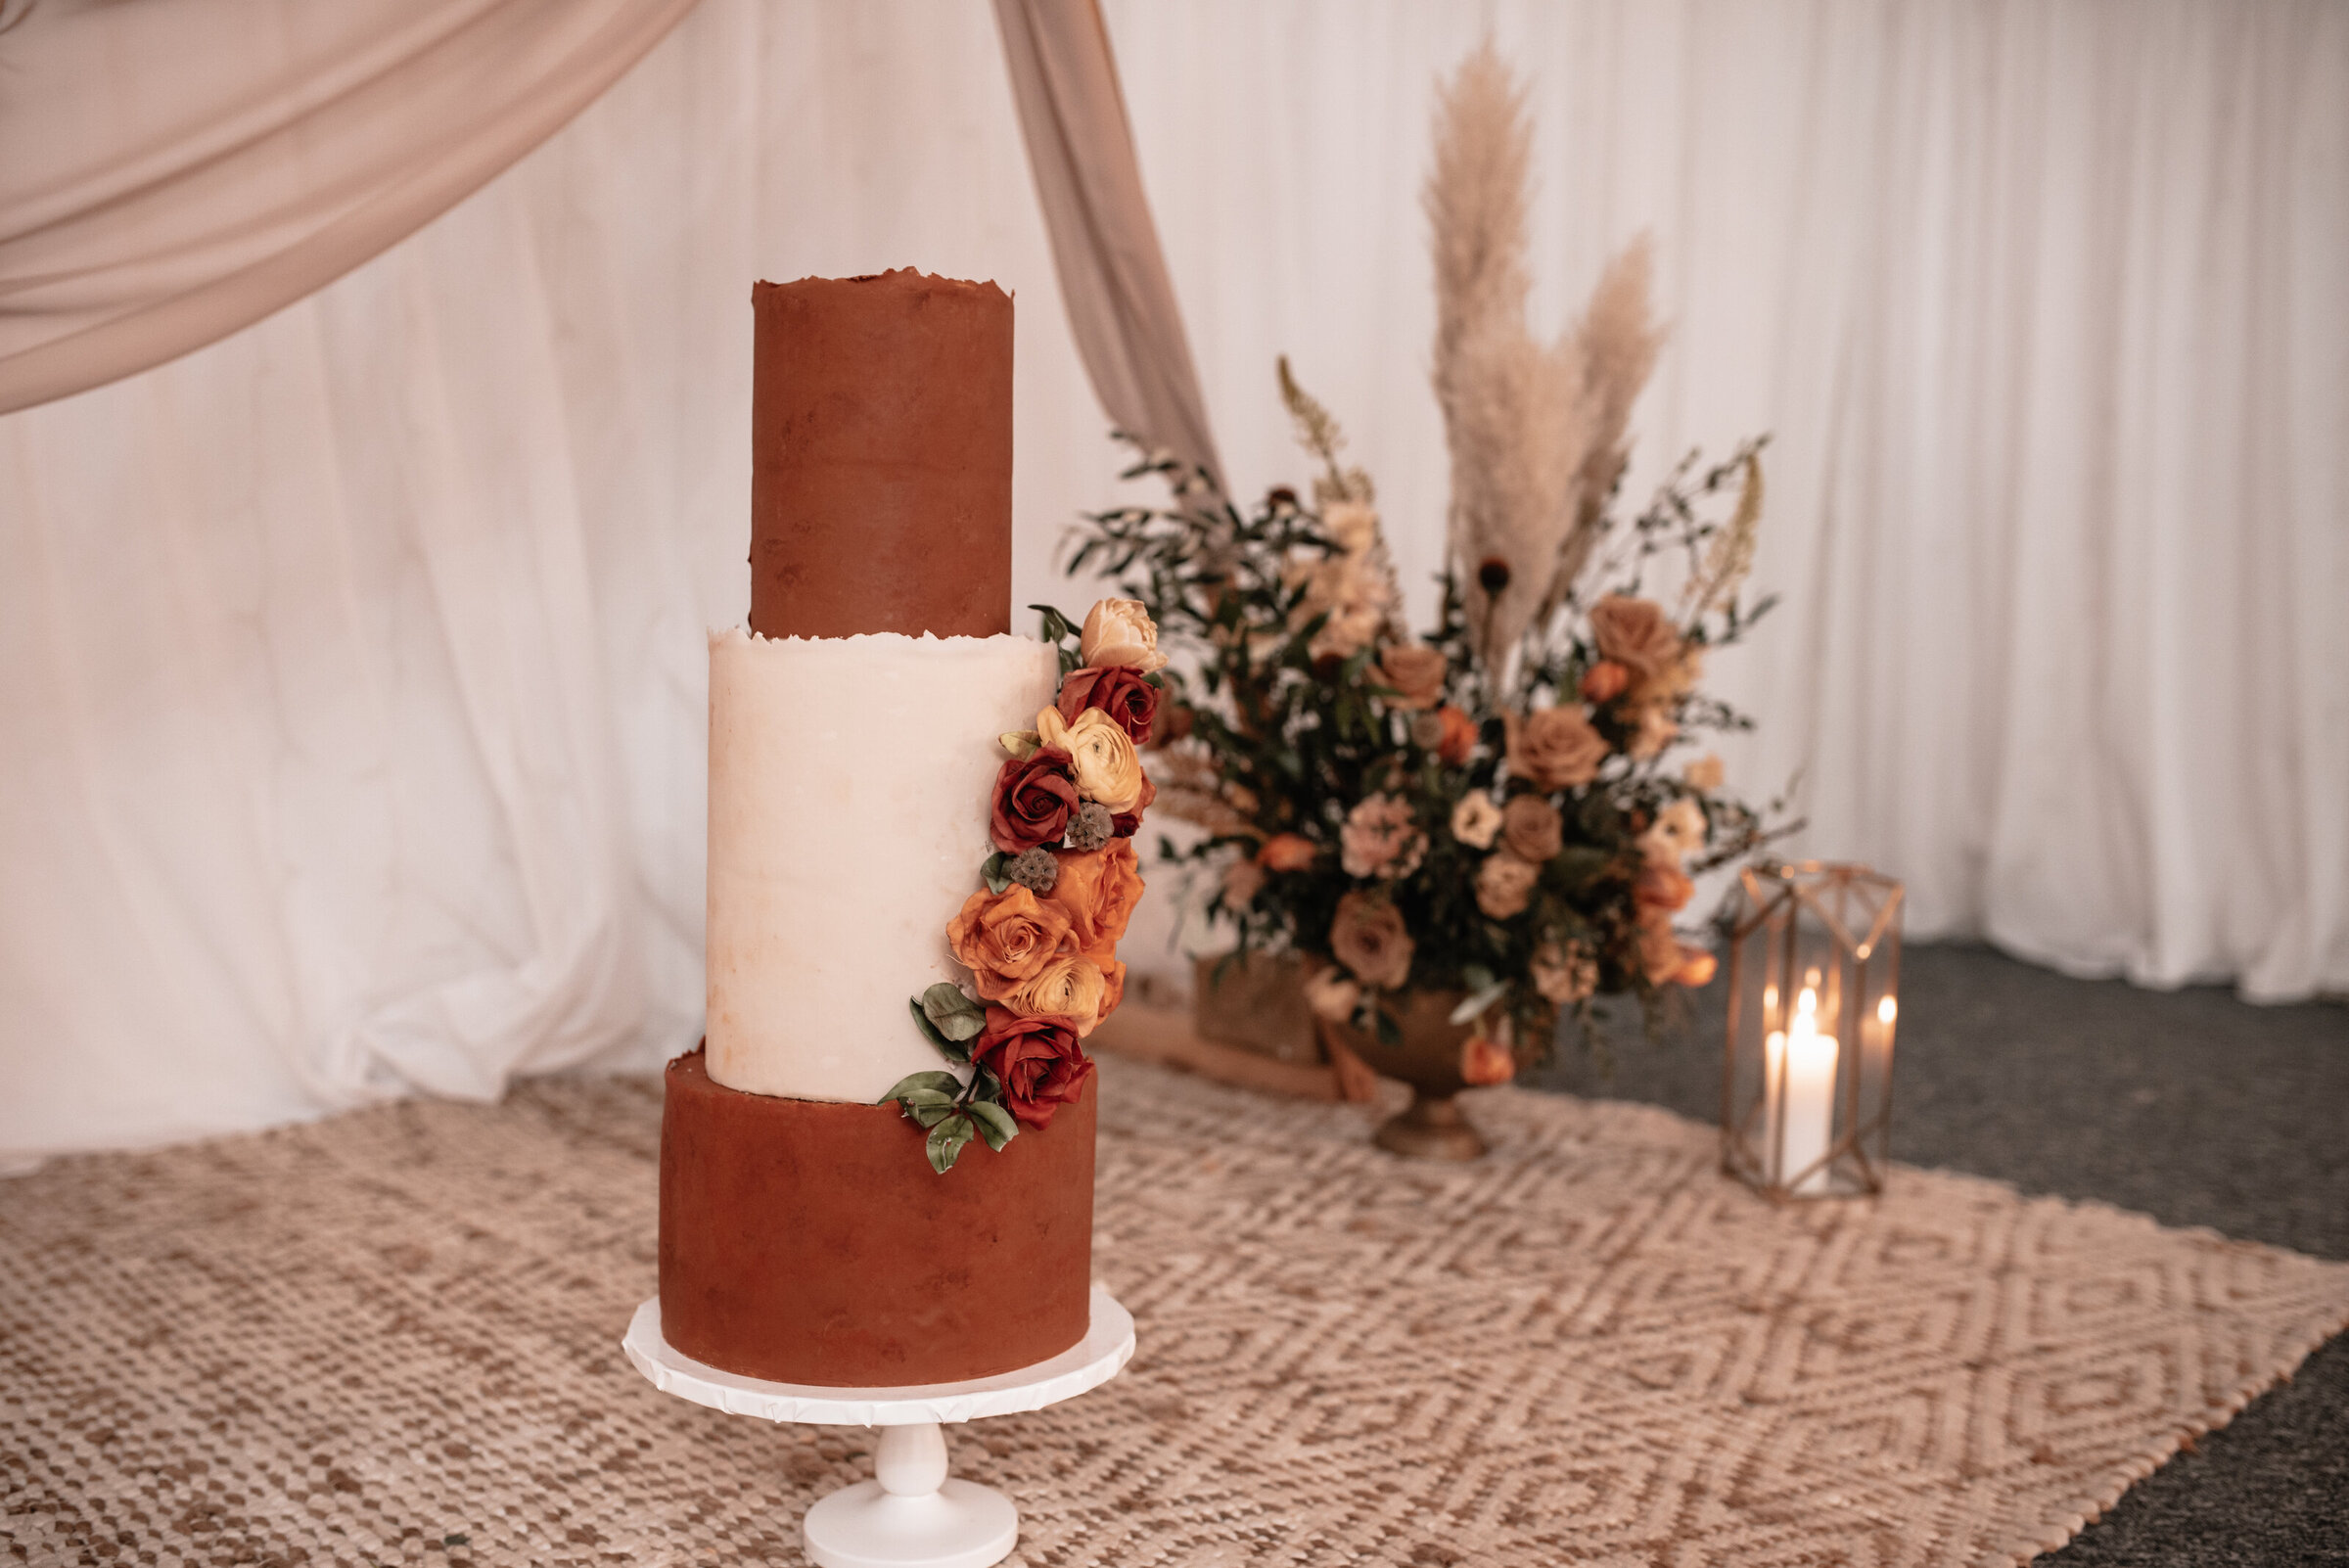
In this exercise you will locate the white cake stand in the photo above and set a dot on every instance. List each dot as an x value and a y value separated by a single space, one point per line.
912 1514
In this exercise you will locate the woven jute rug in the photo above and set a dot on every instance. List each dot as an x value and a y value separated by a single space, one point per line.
392 1337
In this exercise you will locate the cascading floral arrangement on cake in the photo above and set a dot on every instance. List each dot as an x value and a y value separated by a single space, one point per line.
1040 938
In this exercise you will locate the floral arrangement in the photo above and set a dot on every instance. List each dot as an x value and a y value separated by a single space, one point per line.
1493 809
1040 936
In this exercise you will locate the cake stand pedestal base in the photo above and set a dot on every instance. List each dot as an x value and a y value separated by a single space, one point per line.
912 1514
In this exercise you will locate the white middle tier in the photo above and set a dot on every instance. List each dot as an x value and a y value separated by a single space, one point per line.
850 786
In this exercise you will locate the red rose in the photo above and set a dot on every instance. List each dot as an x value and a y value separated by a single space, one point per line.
1039 1063
1120 692
1034 798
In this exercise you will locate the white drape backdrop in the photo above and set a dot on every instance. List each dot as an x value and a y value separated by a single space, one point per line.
352 734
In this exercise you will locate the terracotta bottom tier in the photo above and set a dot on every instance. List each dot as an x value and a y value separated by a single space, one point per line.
803 1241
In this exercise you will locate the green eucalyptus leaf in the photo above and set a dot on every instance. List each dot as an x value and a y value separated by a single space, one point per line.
921 1085
1389 1033
947 1141
996 1124
990 871
921 1021
952 1013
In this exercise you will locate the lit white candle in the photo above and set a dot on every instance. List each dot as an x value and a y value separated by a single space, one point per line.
1799 1073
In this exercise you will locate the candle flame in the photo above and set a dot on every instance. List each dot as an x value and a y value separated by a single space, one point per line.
1807 1003
1770 998
1887 1010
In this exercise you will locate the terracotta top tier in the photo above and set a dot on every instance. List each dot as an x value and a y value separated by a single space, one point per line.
881 457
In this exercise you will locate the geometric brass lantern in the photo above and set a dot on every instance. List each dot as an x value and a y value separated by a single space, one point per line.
1815 968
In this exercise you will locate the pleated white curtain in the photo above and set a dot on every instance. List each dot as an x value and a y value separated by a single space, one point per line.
352 734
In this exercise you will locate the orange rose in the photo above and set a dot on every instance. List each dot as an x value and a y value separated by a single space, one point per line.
1605 681
1660 953
1485 1061
1697 967
1005 938
1286 852
1113 979
1416 673
1662 887
1555 748
1636 634
1097 891
1459 735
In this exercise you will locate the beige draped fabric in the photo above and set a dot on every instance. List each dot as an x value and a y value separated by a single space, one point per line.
1112 275
177 169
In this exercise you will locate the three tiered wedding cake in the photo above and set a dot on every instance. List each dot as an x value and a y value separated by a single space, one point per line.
874 734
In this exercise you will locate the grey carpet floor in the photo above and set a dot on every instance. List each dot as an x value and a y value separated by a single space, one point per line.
2188 1106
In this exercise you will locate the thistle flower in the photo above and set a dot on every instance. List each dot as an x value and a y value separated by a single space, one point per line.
1092 827
1034 869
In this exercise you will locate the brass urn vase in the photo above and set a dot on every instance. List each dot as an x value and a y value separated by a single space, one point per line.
1427 1057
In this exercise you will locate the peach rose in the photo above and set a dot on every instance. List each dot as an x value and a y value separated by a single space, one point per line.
1555 748
1119 633
1459 735
1697 967
1004 938
1505 885
1705 774
1380 839
1287 851
1563 975
1636 634
1532 829
1101 755
1485 1061
1368 938
1097 891
1476 821
1416 673
1069 991
1605 681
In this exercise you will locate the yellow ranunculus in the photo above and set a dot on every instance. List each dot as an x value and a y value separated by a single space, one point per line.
1101 755
1067 991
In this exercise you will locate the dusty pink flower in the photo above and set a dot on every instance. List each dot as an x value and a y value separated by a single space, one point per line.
1380 839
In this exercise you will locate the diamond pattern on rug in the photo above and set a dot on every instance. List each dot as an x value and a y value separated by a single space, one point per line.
392 1338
